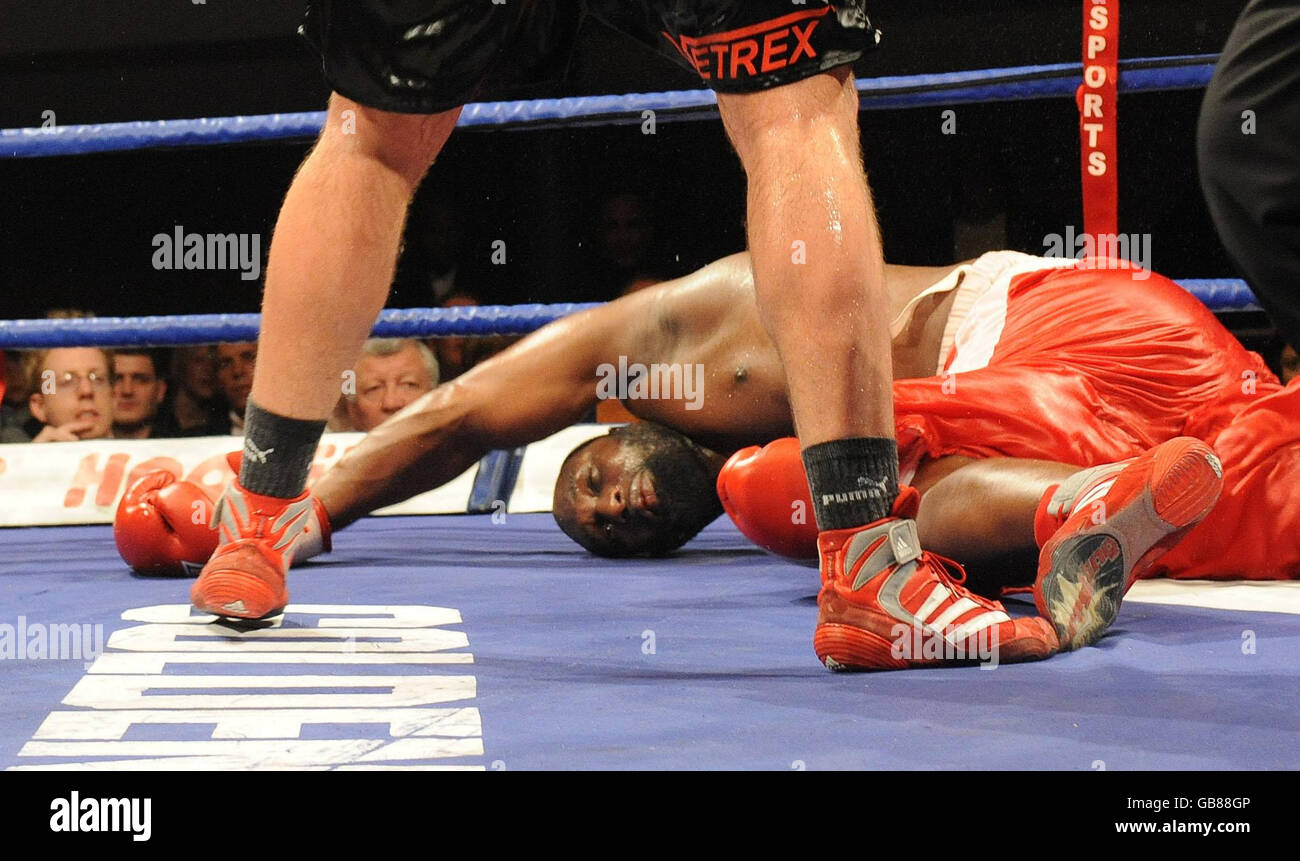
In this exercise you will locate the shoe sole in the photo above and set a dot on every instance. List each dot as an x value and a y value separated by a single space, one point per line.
845 645
221 591
849 648
1081 591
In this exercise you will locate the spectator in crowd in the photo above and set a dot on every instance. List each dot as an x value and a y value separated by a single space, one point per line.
138 391
192 405
71 393
624 247
390 374
431 266
13 398
235 364
1290 364
452 351
456 354
979 209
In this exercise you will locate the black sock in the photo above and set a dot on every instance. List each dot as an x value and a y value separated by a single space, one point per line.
278 452
853 481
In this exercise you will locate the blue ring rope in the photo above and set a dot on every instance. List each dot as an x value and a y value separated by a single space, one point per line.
1018 83
1219 294
1145 74
225 328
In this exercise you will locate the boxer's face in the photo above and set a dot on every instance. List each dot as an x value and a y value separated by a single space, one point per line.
639 490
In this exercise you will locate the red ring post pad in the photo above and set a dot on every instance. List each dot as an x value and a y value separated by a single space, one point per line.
1098 101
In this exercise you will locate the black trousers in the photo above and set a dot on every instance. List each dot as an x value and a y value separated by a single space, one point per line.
1248 149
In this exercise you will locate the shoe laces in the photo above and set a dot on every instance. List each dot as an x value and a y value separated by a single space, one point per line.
950 571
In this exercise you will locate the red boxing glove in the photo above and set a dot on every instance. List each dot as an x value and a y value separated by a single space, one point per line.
765 492
161 526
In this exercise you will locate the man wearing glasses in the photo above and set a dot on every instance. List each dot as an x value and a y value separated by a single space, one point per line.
71 393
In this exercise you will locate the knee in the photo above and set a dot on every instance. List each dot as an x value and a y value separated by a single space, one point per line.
786 121
405 143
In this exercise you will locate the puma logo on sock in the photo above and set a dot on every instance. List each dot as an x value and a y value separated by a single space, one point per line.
255 453
872 489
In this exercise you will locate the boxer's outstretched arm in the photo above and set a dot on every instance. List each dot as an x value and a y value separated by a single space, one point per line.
538 386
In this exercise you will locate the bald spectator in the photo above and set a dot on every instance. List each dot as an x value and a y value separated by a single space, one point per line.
235 363
390 374
138 391
192 405
71 393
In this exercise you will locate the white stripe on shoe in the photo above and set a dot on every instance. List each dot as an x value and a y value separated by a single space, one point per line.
1092 496
938 595
959 608
979 623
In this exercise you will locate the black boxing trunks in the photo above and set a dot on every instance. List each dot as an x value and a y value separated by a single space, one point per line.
428 56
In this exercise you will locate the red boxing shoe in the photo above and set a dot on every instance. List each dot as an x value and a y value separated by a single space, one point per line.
245 578
1115 521
885 604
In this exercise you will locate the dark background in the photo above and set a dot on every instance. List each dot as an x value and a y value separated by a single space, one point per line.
76 231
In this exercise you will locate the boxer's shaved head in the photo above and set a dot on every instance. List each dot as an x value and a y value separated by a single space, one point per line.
640 490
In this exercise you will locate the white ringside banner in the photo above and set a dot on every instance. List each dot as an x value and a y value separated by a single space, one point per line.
51 484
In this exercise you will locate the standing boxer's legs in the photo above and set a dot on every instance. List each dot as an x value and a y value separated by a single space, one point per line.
819 282
1248 149
331 264
334 251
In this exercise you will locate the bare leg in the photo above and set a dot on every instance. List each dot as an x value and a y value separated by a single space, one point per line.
818 268
331 262
981 513
334 251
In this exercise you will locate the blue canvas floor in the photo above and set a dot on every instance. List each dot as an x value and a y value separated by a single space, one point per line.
563 661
